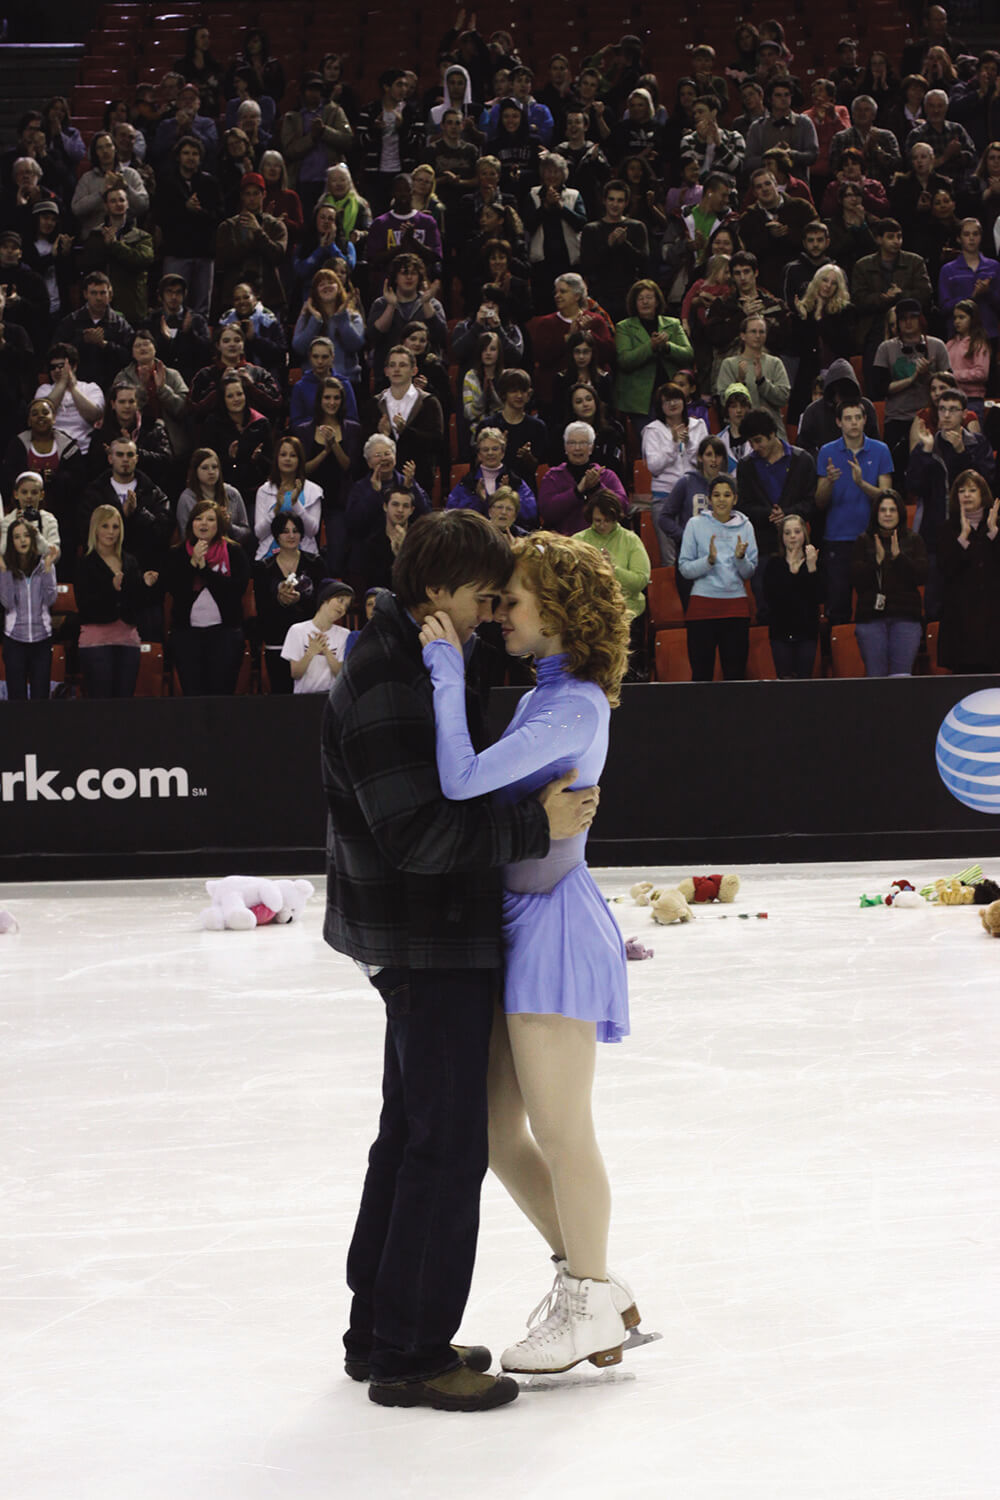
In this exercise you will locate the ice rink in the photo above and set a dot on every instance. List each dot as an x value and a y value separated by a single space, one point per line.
803 1138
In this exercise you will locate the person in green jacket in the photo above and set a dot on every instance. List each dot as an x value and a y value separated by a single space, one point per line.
650 349
627 556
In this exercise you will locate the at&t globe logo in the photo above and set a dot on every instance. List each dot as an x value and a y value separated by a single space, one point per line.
968 751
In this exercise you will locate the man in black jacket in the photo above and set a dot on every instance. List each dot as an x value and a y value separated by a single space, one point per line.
188 209
124 416
148 522
413 896
101 336
182 336
773 481
614 252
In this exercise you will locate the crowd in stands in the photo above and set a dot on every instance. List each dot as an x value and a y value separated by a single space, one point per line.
253 326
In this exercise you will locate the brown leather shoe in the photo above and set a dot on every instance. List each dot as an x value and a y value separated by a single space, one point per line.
461 1389
476 1356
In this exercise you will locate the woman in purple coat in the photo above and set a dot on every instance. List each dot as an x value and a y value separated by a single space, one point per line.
565 489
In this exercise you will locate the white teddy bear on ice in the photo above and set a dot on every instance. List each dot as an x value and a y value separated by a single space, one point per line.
240 902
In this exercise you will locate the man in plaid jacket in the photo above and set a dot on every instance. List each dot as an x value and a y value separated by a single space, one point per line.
413 895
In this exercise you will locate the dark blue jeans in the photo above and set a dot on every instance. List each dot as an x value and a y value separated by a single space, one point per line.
411 1258
835 566
109 671
28 665
888 647
794 658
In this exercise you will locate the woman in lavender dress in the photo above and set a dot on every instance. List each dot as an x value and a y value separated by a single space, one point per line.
565 981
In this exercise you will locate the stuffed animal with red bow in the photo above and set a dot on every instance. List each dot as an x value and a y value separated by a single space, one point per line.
704 888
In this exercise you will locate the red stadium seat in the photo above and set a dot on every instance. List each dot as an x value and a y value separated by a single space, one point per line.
845 652
933 628
151 681
650 538
665 607
760 662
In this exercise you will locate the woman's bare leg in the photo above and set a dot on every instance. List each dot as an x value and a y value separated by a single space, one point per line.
514 1156
553 1059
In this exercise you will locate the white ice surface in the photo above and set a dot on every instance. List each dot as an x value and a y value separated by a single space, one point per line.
803 1137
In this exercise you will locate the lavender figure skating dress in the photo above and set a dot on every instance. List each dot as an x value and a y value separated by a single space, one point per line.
563 951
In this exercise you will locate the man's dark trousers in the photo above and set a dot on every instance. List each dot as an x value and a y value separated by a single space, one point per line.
414 1246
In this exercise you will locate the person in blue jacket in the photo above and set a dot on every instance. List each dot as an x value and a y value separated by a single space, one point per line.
719 555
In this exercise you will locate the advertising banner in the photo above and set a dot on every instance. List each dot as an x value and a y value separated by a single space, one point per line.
697 774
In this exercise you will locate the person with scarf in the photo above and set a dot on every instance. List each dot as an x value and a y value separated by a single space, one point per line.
288 489
126 417
205 482
206 576
353 213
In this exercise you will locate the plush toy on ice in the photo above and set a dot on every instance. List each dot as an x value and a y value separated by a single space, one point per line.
704 888
8 922
666 904
240 902
990 918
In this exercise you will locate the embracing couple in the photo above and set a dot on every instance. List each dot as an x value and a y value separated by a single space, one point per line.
457 881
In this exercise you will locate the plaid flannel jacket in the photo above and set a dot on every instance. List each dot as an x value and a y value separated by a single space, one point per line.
413 880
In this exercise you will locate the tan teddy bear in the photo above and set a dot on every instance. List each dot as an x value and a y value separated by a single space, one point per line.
953 893
670 906
990 917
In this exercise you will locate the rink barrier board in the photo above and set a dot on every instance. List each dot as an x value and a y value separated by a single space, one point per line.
701 775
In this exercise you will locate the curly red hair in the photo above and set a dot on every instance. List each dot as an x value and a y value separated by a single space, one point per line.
581 600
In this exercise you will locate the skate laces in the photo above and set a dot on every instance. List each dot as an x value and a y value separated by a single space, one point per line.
549 1304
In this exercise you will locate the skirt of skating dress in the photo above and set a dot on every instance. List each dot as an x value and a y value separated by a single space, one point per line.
564 955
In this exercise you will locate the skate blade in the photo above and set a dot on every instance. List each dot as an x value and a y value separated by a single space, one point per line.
636 1339
570 1379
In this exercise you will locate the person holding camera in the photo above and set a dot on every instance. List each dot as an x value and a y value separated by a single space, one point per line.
29 506
285 588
